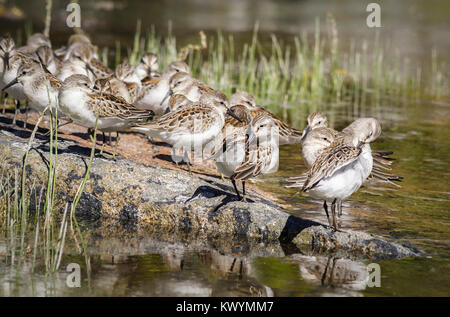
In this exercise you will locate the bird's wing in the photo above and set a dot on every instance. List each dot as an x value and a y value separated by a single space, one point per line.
329 161
102 68
257 157
150 82
284 129
191 119
105 105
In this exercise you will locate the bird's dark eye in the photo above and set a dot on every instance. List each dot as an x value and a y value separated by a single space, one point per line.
325 139
24 72
319 122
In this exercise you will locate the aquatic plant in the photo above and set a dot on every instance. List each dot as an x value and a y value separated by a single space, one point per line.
296 78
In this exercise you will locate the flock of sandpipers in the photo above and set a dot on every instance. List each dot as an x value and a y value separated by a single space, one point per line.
242 137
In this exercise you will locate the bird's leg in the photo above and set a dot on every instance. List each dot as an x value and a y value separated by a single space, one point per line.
235 188
243 191
175 156
188 162
333 214
339 206
69 121
59 126
330 281
116 146
5 97
15 111
324 275
325 206
103 142
25 122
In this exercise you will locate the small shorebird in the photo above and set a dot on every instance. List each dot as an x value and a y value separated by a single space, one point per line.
74 63
193 89
317 136
178 101
287 134
74 43
148 66
92 63
85 106
40 87
191 127
341 168
44 55
127 74
113 86
11 60
261 152
229 150
34 42
153 94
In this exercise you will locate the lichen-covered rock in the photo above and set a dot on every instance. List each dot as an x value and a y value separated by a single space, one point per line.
129 201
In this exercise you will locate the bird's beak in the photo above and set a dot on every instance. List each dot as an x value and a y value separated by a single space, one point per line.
7 60
231 114
90 69
169 93
305 132
360 143
11 83
251 136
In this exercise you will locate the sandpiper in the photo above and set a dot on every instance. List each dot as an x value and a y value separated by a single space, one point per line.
261 151
148 66
178 101
40 87
75 42
11 60
341 168
153 94
317 136
44 55
75 63
92 63
127 74
85 106
287 134
228 150
113 86
191 127
193 89
35 41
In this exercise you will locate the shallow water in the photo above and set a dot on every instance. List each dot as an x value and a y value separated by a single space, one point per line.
417 213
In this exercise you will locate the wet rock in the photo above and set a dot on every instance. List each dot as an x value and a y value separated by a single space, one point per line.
136 201
351 243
